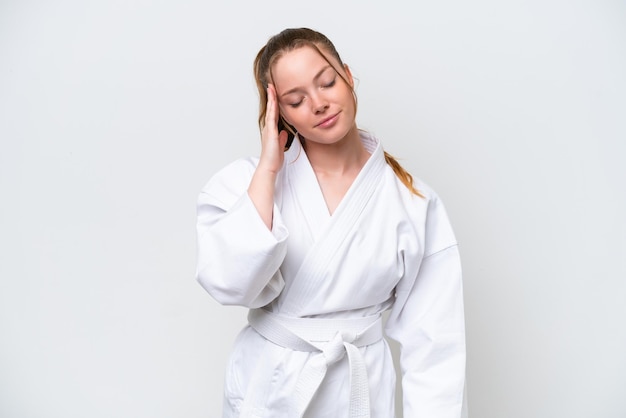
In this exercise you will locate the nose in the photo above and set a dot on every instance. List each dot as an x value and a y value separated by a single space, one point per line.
318 103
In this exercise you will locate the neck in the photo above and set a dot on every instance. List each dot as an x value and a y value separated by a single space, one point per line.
338 158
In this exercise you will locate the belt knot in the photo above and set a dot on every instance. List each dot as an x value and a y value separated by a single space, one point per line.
336 348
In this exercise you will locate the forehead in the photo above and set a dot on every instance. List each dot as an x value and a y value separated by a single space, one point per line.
299 66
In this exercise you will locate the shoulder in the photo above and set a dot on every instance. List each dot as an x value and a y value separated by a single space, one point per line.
427 192
428 215
232 180
414 203
438 229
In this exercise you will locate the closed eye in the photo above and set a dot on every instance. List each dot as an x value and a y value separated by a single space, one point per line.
328 85
294 105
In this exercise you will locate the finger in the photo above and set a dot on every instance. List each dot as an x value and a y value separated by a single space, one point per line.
270 104
271 115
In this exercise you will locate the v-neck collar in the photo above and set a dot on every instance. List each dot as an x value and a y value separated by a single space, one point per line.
328 232
307 190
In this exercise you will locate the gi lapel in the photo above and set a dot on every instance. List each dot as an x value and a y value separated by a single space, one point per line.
313 267
303 185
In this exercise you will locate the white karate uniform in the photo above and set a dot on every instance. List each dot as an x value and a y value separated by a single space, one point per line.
383 248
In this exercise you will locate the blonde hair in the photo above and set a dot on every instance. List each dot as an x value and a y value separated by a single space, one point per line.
288 40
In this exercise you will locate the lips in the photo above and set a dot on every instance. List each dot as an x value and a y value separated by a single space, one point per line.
328 122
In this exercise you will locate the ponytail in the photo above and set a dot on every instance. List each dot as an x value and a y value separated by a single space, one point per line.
403 175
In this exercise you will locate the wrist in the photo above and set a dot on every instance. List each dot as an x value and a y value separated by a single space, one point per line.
268 169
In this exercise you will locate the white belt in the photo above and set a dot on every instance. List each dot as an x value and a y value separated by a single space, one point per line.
332 338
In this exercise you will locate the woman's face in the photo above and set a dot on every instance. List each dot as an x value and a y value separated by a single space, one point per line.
313 97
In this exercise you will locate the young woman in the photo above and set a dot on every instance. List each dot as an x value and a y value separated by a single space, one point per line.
318 237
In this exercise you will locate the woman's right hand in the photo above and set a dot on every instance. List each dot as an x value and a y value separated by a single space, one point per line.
261 189
272 142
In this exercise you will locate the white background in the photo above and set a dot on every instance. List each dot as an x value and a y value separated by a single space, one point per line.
113 114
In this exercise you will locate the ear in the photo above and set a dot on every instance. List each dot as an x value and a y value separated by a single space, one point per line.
348 75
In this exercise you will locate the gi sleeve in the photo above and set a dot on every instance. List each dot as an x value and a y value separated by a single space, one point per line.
427 320
238 256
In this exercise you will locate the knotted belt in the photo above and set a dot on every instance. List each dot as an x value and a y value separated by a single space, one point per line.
332 339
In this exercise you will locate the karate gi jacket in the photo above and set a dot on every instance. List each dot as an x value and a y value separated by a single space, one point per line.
383 249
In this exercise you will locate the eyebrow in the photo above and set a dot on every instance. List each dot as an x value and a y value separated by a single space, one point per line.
318 75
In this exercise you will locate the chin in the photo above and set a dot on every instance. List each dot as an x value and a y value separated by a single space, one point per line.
331 136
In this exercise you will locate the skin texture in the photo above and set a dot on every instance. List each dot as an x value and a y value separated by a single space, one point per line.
313 98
